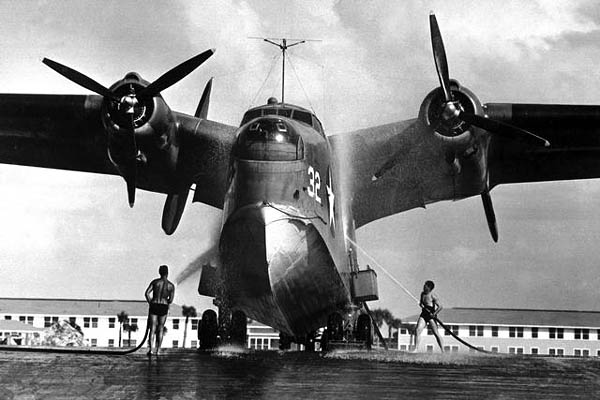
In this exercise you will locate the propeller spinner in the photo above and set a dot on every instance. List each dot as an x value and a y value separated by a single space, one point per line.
127 104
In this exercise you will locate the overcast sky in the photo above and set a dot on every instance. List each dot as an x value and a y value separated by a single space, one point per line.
66 234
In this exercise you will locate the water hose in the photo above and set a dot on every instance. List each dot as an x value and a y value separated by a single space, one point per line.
389 275
80 350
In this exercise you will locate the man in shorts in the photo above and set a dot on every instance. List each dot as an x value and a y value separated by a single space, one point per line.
159 295
431 307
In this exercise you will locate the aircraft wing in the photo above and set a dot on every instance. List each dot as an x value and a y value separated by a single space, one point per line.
416 176
66 132
411 166
572 130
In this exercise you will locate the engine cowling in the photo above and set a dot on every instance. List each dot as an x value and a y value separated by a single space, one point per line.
153 122
444 123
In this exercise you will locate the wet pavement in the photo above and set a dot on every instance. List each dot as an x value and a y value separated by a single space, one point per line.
229 373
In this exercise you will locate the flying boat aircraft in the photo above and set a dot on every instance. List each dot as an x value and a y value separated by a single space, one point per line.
291 196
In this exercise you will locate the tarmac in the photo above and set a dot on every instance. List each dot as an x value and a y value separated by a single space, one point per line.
235 373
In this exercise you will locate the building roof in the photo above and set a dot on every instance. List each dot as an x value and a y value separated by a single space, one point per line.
16 326
74 307
520 317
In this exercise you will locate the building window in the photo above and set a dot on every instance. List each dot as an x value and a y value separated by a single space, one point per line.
86 322
479 330
111 322
494 349
195 324
556 333
175 323
94 322
446 349
22 318
194 344
577 352
552 351
515 350
111 342
175 344
534 333
535 350
512 331
472 330
585 334
129 343
8 317
585 352
430 348
72 321
495 332
453 329
94 342
520 332
47 321
134 321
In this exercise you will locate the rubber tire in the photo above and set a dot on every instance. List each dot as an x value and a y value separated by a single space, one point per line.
364 330
335 327
207 331
239 329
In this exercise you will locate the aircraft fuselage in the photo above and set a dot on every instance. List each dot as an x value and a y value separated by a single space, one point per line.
283 253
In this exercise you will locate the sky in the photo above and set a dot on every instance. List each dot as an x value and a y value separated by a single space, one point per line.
72 235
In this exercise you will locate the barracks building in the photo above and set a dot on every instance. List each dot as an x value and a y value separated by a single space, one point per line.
22 320
512 331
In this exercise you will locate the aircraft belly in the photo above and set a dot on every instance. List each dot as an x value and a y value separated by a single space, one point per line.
304 280
278 270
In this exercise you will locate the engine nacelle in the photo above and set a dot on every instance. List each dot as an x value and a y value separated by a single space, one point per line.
447 128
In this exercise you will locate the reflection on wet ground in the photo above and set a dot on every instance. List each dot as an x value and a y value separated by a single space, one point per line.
244 374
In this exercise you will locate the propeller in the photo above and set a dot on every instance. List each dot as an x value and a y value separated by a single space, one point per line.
454 111
128 103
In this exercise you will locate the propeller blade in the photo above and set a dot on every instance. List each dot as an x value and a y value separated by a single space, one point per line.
131 170
202 110
173 210
175 74
489 214
80 79
503 129
439 55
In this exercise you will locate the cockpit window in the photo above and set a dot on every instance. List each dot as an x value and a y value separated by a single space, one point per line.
294 113
269 139
302 117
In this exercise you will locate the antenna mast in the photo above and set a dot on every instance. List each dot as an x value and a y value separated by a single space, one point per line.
283 44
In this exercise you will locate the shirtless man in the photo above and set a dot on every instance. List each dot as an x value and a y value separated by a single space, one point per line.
163 292
431 308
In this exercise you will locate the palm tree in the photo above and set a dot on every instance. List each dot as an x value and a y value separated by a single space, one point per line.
129 328
391 322
187 313
382 315
122 317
